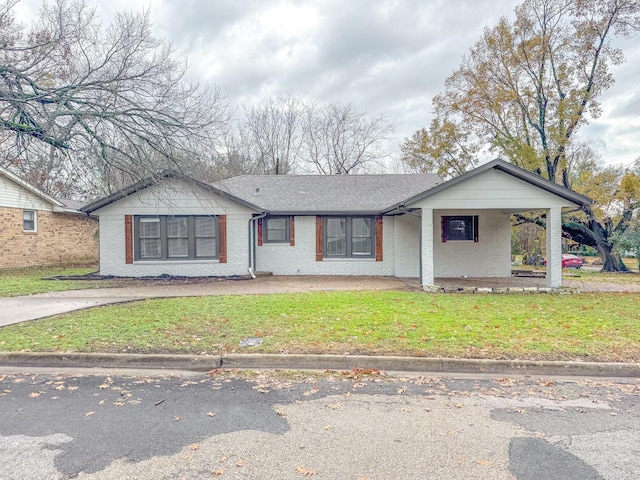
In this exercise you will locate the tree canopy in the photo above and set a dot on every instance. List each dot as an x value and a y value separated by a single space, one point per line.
524 91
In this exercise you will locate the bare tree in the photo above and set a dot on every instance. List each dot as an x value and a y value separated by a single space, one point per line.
105 99
273 134
338 139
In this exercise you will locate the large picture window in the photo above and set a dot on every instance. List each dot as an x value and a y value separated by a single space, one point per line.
349 237
176 237
463 227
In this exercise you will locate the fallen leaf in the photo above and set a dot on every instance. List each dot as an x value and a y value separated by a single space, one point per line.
60 387
72 388
402 390
34 394
459 405
104 386
305 471
217 473
88 414
239 463
118 404
486 463
101 402
280 413
176 419
336 406
327 427
210 414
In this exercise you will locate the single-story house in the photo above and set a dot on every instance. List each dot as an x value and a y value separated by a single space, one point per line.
395 225
38 229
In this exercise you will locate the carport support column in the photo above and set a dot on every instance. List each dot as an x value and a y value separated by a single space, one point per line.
554 247
426 248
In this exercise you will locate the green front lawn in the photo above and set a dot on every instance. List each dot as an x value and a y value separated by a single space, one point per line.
27 281
604 327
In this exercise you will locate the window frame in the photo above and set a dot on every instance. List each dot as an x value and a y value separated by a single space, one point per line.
164 238
348 236
287 223
33 220
470 228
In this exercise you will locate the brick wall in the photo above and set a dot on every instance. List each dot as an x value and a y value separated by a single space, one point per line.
60 238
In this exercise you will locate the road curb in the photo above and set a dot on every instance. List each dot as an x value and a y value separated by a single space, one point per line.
109 360
203 363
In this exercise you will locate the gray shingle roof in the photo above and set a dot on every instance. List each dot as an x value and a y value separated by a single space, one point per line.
327 193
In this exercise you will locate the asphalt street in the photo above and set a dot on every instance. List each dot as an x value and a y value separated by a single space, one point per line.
284 425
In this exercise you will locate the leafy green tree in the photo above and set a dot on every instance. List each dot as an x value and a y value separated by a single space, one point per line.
529 85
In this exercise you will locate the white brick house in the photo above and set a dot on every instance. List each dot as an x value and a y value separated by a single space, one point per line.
393 225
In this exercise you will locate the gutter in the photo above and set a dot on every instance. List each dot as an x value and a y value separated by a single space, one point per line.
252 247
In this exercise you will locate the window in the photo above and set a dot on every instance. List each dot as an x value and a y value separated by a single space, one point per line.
29 220
277 230
176 238
460 228
349 237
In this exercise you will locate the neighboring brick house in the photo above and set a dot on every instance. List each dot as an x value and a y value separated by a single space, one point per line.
37 229
398 225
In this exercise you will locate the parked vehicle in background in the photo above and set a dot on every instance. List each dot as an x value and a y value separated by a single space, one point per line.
569 261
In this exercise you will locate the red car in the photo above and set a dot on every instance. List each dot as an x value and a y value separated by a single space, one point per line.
568 261
571 261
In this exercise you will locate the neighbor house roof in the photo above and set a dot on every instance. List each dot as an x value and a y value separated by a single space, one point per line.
324 194
58 205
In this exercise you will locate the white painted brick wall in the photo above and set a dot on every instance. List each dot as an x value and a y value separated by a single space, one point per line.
407 246
300 259
490 257
112 253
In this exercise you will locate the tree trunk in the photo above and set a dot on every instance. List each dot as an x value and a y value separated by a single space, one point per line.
596 236
611 262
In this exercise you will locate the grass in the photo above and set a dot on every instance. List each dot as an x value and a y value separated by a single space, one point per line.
27 281
602 327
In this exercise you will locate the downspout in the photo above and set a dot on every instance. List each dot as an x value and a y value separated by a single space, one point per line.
252 247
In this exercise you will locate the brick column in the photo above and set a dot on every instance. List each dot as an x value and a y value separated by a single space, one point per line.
426 248
554 247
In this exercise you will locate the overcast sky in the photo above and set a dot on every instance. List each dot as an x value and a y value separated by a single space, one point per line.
385 57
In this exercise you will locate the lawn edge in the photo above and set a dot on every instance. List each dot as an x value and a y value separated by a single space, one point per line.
203 363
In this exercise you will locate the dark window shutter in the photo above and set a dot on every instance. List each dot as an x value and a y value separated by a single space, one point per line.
318 239
128 239
260 232
443 229
379 238
475 228
292 235
222 225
